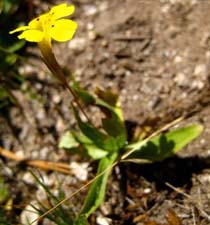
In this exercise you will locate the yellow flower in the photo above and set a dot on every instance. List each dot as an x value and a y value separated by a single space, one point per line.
49 26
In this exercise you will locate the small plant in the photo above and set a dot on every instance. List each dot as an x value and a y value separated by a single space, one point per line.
108 144
5 201
61 215
9 76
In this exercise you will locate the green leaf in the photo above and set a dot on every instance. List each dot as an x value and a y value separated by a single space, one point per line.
68 141
4 193
108 96
113 127
84 96
78 143
116 129
164 145
17 45
98 188
82 220
94 152
99 138
9 6
10 59
114 111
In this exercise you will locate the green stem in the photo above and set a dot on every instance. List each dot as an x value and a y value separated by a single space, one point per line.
54 67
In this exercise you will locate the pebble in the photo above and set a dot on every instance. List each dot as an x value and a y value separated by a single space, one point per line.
41 115
92 35
207 55
28 178
60 125
200 70
147 190
180 79
204 178
26 69
8 171
135 97
77 44
90 26
80 170
29 214
198 84
56 98
102 220
178 59
90 10
103 6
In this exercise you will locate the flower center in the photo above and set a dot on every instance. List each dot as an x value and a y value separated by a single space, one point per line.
44 23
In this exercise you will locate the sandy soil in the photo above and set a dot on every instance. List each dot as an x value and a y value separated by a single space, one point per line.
156 54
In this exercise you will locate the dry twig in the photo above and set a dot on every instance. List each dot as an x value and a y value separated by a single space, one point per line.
45 165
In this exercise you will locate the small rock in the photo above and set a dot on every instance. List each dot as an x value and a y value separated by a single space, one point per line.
147 190
56 99
200 70
103 6
198 84
135 97
60 125
204 178
92 35
180 79
30 214
77 44
28 178
41 115
90 26
90 10
177 59
104 43
102 220
80 170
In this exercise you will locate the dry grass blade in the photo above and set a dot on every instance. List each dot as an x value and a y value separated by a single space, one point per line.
45 165
195 203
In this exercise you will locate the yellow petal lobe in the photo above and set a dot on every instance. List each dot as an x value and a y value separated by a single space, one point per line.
19 29
63 30
61 11
36 23
32 35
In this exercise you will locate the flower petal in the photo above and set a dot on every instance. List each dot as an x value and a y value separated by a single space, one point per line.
19 29
63 30
36 23
32 35
62 10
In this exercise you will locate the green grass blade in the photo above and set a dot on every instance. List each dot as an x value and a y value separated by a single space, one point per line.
98 188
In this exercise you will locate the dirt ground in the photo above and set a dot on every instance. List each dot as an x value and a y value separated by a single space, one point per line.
156 54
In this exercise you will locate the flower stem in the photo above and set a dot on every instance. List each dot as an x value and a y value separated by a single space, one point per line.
54 67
